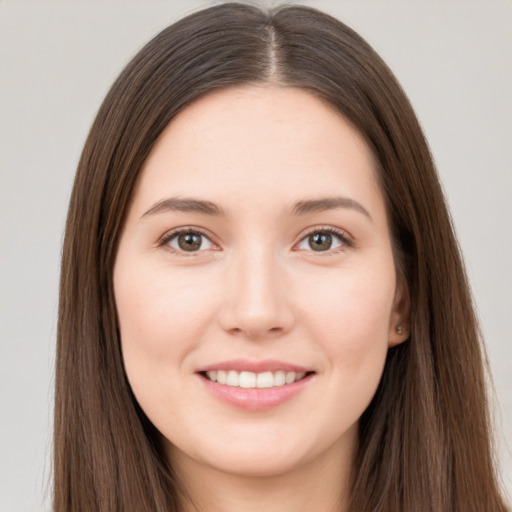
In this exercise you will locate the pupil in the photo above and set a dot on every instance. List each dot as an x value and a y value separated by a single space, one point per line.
320 241
189 241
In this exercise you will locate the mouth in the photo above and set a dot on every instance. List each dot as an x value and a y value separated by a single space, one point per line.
255 386
253 380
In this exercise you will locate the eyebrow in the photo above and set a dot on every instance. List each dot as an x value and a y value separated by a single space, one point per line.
328 203
304 207
176 204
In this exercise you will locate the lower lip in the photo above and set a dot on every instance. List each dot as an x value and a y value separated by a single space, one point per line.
256 399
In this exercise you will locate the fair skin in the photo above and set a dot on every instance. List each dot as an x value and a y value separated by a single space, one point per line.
262 276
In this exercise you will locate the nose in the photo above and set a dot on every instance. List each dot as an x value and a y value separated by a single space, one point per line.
256 302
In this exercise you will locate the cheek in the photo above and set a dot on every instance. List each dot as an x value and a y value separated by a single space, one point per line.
157 305
349 322
163 316
356 305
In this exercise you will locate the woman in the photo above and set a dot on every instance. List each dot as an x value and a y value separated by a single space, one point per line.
262 300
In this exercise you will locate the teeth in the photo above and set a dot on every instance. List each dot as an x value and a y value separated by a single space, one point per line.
290 377
264 380
247 380
254 380
279 378
222 377
232 379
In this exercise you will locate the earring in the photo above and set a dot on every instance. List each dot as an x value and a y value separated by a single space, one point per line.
399 329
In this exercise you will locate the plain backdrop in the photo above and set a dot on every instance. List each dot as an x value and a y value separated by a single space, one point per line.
57 61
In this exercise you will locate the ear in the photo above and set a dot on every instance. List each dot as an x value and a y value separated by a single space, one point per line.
399 320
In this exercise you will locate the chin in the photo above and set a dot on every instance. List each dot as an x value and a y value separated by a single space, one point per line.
255 464
256 455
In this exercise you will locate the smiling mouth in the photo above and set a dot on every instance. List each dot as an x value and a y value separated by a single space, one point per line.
251 380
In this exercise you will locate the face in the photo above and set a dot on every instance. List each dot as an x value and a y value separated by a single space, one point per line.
255 283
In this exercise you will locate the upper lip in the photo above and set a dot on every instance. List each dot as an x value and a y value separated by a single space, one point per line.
243 365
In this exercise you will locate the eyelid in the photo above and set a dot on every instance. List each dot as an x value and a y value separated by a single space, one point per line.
345 238
163 241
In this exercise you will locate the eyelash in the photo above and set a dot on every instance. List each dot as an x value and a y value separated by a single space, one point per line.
344 238
164 241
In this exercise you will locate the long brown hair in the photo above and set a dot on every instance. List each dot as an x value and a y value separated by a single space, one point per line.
425 439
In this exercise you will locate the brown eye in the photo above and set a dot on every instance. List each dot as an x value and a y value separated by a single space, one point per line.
189 241
320 241
323 241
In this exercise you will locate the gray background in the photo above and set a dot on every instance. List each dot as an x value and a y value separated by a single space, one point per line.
57 60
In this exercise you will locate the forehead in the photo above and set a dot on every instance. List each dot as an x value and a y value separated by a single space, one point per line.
264 142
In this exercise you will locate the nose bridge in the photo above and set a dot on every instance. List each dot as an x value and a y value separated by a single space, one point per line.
256 302
256 275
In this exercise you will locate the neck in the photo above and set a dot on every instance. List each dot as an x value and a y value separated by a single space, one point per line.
321 484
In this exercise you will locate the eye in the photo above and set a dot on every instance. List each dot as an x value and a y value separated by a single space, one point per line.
188 241
323 240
